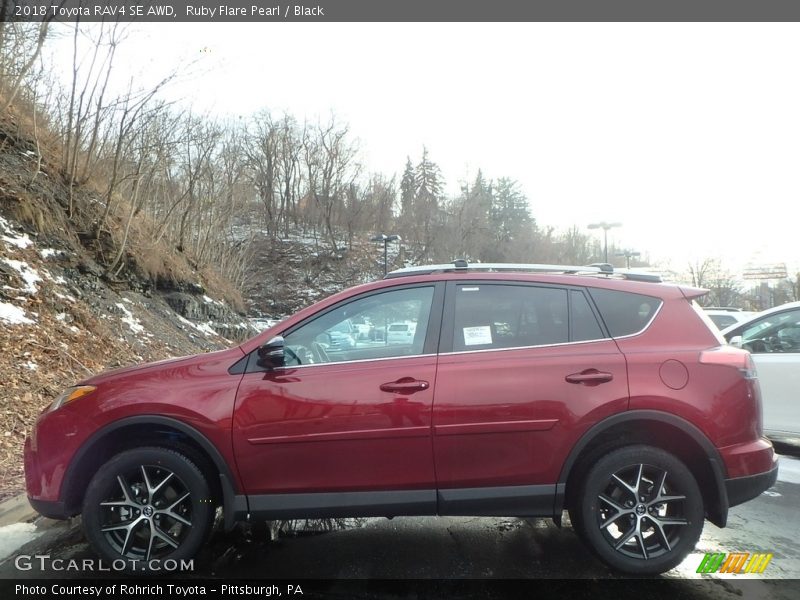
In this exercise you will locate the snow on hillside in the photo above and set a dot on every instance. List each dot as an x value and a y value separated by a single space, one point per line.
60 322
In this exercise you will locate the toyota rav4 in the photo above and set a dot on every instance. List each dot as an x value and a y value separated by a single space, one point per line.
525 390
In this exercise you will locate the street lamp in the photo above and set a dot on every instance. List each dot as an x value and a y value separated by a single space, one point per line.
628 256
605 227
385 239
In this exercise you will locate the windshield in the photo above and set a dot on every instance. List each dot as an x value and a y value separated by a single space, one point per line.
780 324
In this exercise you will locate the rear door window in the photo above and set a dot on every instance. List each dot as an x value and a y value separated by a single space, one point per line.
583 323
497 316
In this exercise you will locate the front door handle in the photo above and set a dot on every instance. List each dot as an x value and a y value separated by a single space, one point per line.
589 377
405 385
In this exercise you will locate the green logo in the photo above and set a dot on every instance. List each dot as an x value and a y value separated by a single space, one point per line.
736 562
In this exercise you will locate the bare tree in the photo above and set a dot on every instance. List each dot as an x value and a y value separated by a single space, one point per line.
576 247
20 46
701 270
84 98
724 289
330 166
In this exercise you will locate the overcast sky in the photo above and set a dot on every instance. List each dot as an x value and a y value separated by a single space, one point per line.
688 134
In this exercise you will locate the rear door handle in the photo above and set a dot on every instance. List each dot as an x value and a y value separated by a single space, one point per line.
405 385
589 377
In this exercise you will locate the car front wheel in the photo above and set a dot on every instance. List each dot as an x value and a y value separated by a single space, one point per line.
147 504
641 510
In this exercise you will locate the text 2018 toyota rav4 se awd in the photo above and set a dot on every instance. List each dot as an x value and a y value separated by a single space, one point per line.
524 390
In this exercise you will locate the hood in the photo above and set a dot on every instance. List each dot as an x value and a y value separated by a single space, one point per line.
235 353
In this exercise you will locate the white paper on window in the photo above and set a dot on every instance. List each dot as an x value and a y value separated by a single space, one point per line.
475 336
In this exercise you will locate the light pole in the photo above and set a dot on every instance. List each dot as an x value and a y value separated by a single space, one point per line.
385 239
628 254
605 227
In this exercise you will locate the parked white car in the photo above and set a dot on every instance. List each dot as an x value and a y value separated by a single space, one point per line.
401 333
724 317
773 339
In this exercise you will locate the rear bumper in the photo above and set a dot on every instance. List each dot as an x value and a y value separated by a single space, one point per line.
742 489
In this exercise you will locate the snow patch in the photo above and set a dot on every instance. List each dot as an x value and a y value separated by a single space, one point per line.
12 238
31 365
208 300
14 536
29 275
204 328
65 297
58 279
131 321
22 241
49 252
261 324
13 314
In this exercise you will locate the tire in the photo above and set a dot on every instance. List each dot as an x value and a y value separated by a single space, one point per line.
577 522
647 532
147 504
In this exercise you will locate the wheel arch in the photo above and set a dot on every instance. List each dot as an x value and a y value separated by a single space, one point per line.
142 430
655 428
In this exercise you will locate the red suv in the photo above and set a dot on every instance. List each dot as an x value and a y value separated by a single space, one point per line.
524 390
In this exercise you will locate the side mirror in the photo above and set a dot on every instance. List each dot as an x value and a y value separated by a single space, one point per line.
270 355
736 341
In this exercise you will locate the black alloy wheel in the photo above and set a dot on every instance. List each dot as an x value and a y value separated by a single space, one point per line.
148 504
641 510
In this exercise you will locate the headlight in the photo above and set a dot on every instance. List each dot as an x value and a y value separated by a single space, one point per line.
71 394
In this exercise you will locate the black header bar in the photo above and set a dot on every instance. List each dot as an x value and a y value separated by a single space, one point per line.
281 11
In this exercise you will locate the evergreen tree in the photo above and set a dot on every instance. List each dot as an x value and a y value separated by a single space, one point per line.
509 213
428 183
474 210
514 229
408 190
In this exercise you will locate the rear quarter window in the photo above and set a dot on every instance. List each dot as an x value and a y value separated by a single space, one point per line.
624 313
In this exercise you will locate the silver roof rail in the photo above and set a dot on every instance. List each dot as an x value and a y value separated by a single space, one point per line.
462 266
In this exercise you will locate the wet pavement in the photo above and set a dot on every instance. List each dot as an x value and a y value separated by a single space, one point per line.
481 548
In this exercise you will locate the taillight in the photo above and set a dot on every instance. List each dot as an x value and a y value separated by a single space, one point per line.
729 356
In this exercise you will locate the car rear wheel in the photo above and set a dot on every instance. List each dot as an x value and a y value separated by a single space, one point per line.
641 510
147 504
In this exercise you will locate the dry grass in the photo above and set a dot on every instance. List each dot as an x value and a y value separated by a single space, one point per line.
33 192
72 340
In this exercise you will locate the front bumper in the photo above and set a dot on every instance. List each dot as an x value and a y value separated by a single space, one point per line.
49 509
742 489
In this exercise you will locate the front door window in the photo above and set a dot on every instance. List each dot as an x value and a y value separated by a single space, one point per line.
384 325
